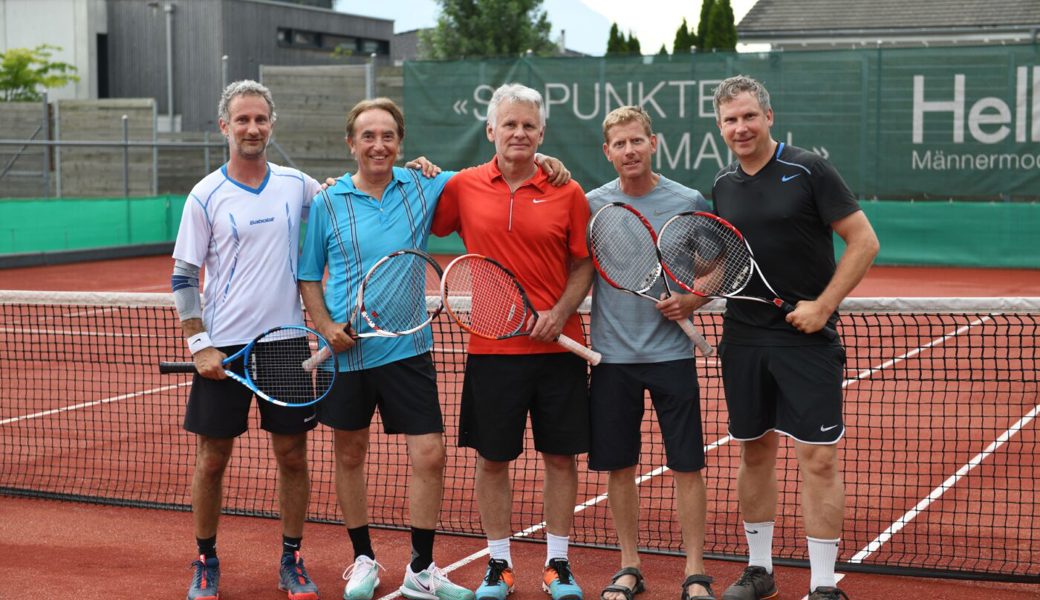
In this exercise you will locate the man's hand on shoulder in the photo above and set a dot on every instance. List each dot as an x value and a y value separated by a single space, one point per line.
423 164
557 173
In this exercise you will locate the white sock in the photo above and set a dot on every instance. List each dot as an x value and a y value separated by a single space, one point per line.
499 550
556 547
760 544
822 556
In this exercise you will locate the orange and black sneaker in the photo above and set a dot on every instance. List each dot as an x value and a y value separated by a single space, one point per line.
558 581
205 579
498 581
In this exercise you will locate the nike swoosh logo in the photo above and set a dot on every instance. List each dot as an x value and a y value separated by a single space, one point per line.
539 200
752 531
311 418
822 428
787 178
661 212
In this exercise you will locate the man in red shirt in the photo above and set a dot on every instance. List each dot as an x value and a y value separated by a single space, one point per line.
506 209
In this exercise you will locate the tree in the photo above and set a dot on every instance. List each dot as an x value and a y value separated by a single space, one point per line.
663 51
683 39
616 44
23 71
722 32
702 24
632 45
477 28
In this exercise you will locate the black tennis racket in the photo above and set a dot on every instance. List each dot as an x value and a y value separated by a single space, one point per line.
272 366
498 306
623 246
708 256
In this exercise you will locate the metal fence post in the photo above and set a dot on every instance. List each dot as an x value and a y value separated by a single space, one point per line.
126 156
46 149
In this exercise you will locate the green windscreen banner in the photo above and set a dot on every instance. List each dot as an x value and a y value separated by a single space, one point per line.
899 124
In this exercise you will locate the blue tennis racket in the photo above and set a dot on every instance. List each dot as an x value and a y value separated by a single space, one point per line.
277 366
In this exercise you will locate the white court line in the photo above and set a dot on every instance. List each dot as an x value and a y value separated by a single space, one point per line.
91 404
862 375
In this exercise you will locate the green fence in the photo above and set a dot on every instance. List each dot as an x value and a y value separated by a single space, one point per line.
898 123
966 234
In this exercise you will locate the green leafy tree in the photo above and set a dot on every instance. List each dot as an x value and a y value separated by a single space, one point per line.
632 45
683 39
615 42
23 71
477 28
663 51
702 25
722 32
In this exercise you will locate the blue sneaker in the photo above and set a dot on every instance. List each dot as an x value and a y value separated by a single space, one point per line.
294 580
204 582
558 581
498 581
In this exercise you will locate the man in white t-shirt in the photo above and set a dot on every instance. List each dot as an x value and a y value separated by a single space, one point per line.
242 223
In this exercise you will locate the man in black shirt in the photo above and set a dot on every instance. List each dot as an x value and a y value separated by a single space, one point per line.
781 375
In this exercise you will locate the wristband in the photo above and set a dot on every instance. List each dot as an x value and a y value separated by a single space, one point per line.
199 341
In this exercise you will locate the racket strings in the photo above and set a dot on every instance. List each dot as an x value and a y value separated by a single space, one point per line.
276 366
705 255
497 306
394 293
624 249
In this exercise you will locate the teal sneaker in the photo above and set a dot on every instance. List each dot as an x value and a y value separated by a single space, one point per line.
558 581
498 581
362 579
205 580
431 584
294 580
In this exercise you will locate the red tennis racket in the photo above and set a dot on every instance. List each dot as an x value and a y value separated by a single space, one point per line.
623 246
498 306
708 256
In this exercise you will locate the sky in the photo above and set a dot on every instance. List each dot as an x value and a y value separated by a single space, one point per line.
586 23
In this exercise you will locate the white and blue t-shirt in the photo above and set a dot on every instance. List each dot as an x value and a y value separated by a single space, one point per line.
247 240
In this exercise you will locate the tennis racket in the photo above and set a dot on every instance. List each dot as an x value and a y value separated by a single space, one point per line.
392 298
708 256
623 246
499 308
273 366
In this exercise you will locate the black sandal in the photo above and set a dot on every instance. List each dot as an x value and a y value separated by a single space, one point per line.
703 580
627 592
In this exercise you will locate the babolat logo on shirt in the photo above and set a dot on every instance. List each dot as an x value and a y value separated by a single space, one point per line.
261 221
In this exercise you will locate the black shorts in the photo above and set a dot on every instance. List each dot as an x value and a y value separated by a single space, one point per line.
405 392
617 403
499 391
795 390
220 408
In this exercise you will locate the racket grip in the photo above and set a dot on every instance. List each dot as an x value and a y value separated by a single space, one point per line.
317 358
696 337
580 349
176 367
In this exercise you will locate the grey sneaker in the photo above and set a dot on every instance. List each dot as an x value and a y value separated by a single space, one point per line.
827 593
431 584
755 583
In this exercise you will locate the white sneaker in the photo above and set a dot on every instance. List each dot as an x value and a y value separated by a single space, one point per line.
362 579
432 584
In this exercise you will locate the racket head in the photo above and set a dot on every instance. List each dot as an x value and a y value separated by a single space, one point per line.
392 296
704 254
623 246
498 307
278 366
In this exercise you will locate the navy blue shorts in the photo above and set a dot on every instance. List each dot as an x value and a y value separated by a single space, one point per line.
794 390
220 408
617 404
405 392
500 390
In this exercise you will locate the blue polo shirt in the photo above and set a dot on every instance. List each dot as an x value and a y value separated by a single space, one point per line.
348 231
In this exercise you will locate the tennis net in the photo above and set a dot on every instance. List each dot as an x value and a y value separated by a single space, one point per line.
940 455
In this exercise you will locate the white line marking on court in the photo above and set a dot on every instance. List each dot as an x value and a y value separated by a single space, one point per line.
91 404
938 492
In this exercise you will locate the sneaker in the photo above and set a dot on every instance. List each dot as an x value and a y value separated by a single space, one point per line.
362 579
431 584
204 582
294 580
755 583
498 581
558 581
827 593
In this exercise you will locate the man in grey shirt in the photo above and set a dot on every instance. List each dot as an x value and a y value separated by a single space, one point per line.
643 350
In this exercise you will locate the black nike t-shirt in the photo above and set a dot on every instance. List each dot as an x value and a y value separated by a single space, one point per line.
785 211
